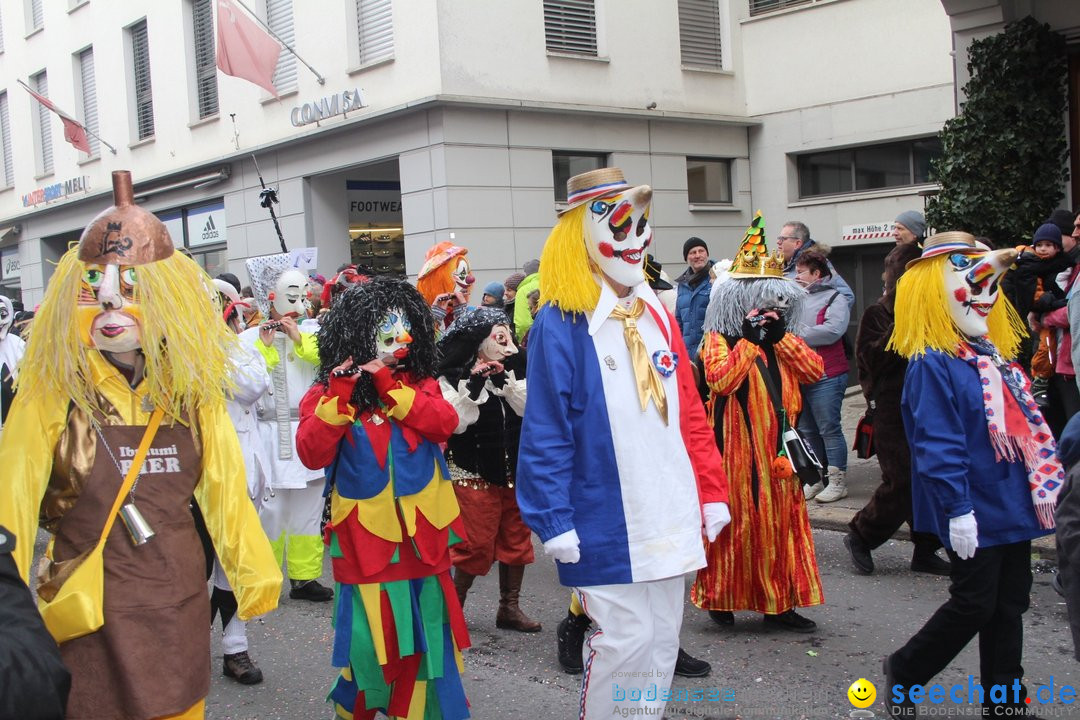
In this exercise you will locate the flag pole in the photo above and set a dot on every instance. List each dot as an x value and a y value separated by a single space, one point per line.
321 79
56 109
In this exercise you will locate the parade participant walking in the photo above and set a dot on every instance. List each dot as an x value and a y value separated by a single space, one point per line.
985 475
375 419
881 374
291 515
482 374
616 458
754 366
127 337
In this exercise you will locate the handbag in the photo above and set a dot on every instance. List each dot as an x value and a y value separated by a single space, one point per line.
72 599
864 434
802 457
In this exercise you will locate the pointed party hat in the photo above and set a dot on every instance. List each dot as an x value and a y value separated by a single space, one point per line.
753 258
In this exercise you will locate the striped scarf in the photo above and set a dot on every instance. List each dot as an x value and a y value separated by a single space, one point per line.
1017 428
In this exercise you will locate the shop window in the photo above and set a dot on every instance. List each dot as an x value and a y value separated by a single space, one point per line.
565 165
5 140
699 33
279 18
570 26
760 7
143 117
201 231
43 125
871 167
708 181
374 30
206 89
88 100
376 233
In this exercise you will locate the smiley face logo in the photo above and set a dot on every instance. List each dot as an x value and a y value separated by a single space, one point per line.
862 693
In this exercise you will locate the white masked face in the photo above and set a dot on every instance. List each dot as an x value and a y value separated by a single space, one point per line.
499 345
617 234
291 294
7 316
392 337
463 277
971 287
109 317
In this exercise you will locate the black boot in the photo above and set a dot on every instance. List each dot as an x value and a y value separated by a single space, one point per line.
570 636
925 560
860 553
310 590
689 666
462 582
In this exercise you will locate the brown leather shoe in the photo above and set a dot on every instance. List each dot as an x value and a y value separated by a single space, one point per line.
509 616
241 668
462 582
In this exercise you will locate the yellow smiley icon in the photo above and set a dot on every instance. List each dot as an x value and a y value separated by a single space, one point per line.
862 693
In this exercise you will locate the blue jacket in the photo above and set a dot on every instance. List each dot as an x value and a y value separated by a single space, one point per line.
690 308
953 467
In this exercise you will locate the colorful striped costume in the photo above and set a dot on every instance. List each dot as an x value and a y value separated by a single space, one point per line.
399 630
765 560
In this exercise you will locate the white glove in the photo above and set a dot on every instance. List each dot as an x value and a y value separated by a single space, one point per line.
565 547
717 516
964 535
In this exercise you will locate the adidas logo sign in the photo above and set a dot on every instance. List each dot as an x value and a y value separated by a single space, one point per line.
210 231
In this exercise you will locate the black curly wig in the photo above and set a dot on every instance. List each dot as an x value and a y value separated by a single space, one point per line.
349 330
459 346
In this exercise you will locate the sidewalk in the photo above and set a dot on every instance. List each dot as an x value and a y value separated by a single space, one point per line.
863 478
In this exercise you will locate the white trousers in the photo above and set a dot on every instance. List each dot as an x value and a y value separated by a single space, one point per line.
234 640
630 657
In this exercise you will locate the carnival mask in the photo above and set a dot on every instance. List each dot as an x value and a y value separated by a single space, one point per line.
392 337
291 294
971 287
109 315
463 277
7 316
499 345
618 233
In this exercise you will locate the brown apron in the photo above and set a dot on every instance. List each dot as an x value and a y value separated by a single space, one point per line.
151 658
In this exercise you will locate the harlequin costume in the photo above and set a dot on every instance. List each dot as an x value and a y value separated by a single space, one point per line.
109 345
765 562
292 514
482 374
615 458
985 473
399 630
445 280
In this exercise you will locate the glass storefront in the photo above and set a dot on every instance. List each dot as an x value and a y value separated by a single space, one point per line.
376 233
201 232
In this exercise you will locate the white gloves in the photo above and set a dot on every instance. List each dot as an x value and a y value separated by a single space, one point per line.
964 535
565 548
717 516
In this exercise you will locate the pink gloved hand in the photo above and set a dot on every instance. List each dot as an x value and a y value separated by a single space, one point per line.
565 548
717 516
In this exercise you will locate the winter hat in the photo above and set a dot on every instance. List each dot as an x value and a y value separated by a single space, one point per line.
512 282
531 267
494 289
913 221
1048 232
1064 220
692 243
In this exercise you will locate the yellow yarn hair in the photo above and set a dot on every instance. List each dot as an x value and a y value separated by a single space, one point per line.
184 340
923 321
566 271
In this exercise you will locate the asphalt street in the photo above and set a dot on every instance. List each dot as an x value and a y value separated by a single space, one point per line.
770 674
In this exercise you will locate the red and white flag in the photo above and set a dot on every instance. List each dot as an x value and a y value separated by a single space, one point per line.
244 49
74 132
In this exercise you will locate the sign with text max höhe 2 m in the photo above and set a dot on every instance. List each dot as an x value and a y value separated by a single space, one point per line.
56 191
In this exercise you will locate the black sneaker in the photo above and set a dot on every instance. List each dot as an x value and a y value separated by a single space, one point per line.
860 554
928 562
690 667
903 709
723 618
241 668
791 621
310 590
570 636
1056 584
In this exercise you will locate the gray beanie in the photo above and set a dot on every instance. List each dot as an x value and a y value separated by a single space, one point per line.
913 221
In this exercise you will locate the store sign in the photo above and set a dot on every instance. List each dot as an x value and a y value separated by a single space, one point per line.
206 225
327 107
9 264
373 202
867 233
56 191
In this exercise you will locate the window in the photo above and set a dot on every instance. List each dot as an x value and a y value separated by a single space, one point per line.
140 62
43 126
873 167
699 33
758 7
1 35
565 165
708 181
35 15
5 139
374 30
570 26
279 17
205 60
88 90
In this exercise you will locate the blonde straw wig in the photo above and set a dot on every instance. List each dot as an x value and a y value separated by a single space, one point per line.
923 321
184 340
566 271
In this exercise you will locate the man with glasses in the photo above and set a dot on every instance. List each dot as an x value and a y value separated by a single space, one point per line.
793 240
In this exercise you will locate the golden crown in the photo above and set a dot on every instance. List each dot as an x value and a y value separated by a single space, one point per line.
753 258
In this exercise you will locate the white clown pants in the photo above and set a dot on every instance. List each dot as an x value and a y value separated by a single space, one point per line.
234 640
291 520
637 631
